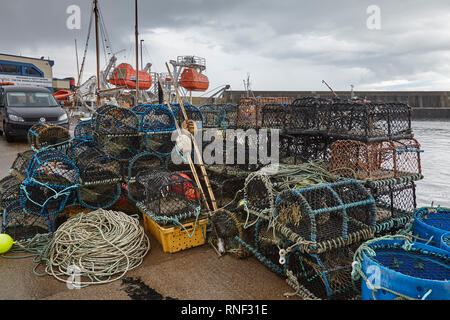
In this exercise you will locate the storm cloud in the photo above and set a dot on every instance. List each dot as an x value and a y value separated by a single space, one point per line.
283 45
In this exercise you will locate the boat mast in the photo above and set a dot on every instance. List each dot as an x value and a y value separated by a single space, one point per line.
137 52
97 50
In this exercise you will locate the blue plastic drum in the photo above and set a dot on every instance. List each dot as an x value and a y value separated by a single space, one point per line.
399 271
431 223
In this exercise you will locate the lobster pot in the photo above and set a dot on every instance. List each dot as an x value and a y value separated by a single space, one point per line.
229 226
431 224
247 113
169 196
101 195
327 215
230 115
116 121
274 115
299 148
224 187
139 165
192 113
21 225
51 178
99 111
161 143
395 202
20 164
307 115
325 276
120 147
213 115
9 191
376 160
45 135
369 121
83 130
155 118
397 271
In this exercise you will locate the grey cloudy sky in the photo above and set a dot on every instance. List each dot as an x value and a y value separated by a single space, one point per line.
283 45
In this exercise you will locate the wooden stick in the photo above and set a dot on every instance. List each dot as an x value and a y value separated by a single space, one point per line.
191 165
199 156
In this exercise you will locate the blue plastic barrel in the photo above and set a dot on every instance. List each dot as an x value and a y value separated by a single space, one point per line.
395 271
431 223
445 242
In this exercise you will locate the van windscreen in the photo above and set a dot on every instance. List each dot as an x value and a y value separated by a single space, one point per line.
31 99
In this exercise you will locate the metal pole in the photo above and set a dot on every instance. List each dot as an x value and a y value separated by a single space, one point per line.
137 52
97 51
142 59
76 54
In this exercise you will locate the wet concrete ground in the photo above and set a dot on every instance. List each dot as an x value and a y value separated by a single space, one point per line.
196 273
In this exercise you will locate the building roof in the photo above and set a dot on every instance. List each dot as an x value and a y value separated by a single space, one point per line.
51 62
23 89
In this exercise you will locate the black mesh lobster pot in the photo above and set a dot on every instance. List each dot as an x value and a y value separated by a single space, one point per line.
155 118
84 130
139 165
395 201
222 115
116 129
21 225
51 179
323 276
326 216
369 122
100 176
20 164
169 196
9 191
307 115
192 113
299 148
274 115
45 135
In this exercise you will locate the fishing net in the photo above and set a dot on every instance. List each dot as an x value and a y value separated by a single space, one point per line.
169 196
325 216
139 165
9 191
395 202
84 130
20 225
51 178
369 121
20 164
44 135
375 160
155 118
299 148
323 276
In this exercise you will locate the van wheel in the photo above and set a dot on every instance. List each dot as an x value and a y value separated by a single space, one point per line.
8 137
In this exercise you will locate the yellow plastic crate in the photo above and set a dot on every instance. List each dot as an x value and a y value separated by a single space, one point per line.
174 239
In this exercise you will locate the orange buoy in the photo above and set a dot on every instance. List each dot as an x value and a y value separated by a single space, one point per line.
185 188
